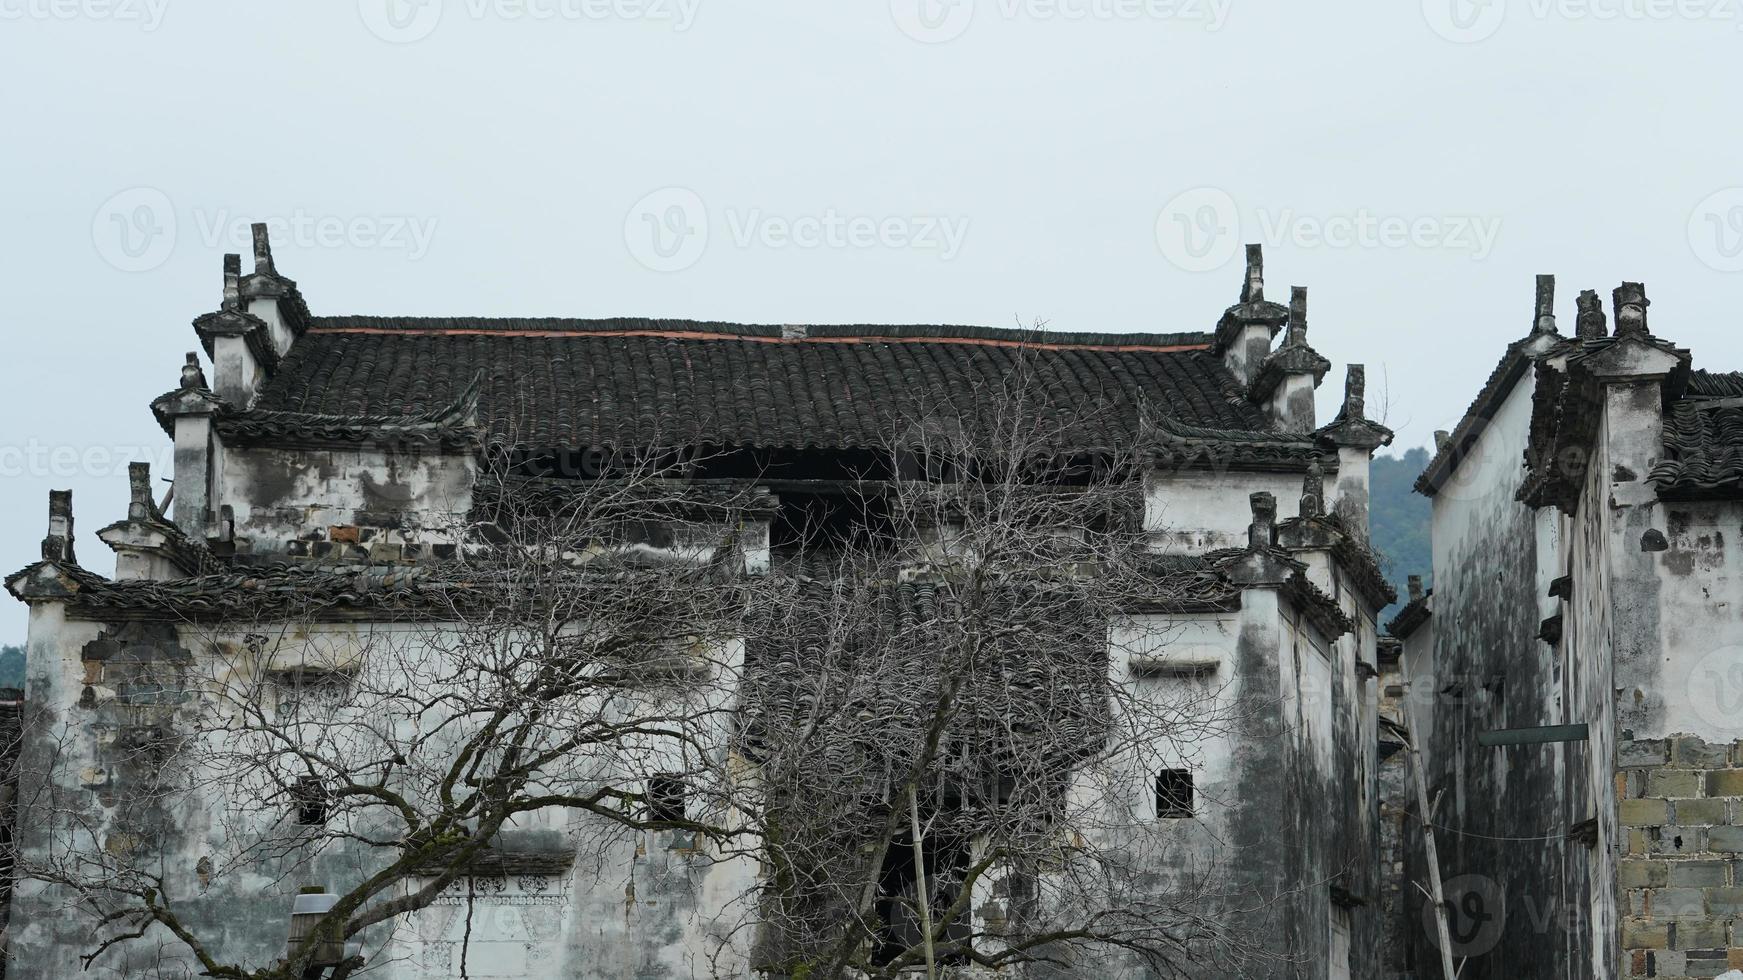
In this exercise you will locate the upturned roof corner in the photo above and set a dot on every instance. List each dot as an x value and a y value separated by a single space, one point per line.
58 576
1352 427
1293 356
1253 309
193 396
146 530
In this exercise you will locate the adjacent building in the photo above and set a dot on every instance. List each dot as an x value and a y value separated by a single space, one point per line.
1573 677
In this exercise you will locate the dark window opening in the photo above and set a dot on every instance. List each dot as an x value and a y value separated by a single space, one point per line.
898 908
1174 793
311 800
666 799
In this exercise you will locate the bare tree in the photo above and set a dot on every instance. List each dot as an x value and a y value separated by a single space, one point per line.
584 638
952 767
915 712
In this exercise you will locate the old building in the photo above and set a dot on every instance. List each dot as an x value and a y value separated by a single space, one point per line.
321 460
1573 676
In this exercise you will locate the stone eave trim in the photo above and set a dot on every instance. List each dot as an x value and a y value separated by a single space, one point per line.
1177 445
1356 434
1285 361
451 428
1263 314
191 556
1567 410
1329 533
235 323
244 433
168 407
50 581
283 291
1317 607
1411 617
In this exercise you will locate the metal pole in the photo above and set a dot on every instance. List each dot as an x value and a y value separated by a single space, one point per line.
1435 893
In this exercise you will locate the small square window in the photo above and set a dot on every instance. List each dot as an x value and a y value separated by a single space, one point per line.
1174 793
666 799
311 800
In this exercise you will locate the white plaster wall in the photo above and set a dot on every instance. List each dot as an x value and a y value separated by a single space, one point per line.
665 903
1701 625
1483 483
280 494
1199 704
1192 511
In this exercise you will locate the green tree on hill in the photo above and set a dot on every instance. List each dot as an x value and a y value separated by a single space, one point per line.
1399 521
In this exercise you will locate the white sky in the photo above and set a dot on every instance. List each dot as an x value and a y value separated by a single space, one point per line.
495 157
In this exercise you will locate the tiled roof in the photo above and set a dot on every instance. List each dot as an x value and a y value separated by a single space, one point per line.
1414 614
1182 445
1199 583
245 592
559 384
1703 438
451 426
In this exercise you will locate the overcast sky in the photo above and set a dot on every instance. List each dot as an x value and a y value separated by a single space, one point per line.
1089 164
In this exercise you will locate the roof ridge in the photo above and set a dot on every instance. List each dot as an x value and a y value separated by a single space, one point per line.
772 333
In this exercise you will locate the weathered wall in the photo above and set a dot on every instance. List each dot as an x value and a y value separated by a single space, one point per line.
369 504
1518 885
1285 827
1229 738
1680 746
602 902
1194 511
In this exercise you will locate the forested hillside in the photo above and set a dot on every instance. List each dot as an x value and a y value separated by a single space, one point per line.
1399 521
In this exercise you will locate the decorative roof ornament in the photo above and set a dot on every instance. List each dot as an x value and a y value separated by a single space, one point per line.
1262 532
140 505
1631 303
262 250
1253 288
232 283
191 396
193 377
1590 324
1313 491
265 283
1543 324
1261 564
1352 427
1297 335
1291 357
57 577
57 545
1355 392
1253 310
146 531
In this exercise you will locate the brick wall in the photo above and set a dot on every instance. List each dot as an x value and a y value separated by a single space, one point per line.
1680 803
